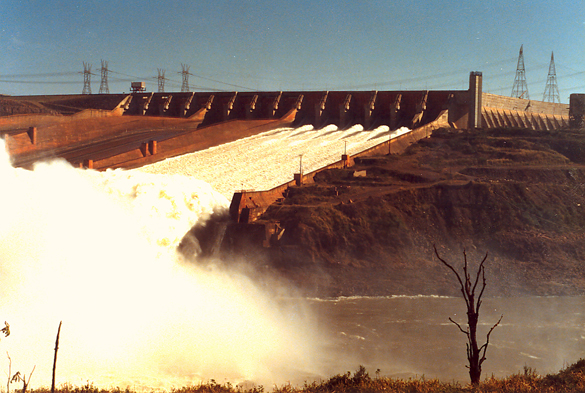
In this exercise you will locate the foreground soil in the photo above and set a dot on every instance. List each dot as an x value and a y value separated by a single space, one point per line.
517 195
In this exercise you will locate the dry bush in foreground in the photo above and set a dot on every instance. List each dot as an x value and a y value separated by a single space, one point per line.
569 380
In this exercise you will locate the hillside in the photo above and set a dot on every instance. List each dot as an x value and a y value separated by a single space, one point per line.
369 230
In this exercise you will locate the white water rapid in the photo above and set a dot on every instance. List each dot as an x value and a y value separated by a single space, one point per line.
97 251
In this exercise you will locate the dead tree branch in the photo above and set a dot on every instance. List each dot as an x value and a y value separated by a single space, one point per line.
55 358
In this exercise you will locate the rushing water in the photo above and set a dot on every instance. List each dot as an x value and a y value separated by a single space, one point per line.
97 250
267 160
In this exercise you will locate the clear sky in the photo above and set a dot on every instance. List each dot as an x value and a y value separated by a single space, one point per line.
242 45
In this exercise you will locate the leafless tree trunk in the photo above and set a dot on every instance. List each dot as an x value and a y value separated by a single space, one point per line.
468 286
55 358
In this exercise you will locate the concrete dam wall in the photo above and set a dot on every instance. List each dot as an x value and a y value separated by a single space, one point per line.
319 108
132 130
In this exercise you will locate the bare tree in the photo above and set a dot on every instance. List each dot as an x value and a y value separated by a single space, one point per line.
475 352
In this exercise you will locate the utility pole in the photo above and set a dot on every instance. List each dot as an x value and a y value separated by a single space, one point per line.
520 88
86 78
161 80
551 91
104 89
185 73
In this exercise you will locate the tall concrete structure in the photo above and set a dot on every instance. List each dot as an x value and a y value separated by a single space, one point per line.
577 111
475 95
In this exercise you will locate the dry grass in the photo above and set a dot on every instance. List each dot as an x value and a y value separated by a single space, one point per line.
569 380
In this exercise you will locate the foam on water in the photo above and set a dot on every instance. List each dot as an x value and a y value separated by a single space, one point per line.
267 160
97 251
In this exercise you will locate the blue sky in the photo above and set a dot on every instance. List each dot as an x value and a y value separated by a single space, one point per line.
285 45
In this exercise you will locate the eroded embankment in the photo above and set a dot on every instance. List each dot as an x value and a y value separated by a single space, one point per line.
517 195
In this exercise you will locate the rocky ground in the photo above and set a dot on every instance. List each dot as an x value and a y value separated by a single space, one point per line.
517 195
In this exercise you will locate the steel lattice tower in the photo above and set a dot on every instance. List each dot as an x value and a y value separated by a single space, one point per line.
185 73
551 91
86 78
104 89
161 80
520 88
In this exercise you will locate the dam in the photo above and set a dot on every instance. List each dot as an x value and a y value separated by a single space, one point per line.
104 131
255 142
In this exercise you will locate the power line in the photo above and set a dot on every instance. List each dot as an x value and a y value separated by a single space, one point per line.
42 82
223 83
436 80
40 74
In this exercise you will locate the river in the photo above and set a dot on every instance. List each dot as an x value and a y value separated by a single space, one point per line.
412 336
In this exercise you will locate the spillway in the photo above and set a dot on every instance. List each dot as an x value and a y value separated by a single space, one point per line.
266 160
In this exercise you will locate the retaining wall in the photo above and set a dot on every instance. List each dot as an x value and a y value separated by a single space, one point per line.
519 104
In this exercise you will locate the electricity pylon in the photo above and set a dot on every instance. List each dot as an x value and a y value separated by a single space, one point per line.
86 78
161 80
185 73
520 88
551 91
104 89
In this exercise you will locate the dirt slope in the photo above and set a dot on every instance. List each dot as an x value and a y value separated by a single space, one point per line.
369 230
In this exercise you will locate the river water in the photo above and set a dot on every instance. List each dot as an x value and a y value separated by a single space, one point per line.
412 336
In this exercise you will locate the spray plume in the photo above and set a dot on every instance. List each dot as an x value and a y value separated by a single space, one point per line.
97 251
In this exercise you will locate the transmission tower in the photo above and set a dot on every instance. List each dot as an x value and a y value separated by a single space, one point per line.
185 73
161 80
551 91
520 88
104 89
86 78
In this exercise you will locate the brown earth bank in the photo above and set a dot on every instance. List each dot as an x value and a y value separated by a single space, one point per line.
517 195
